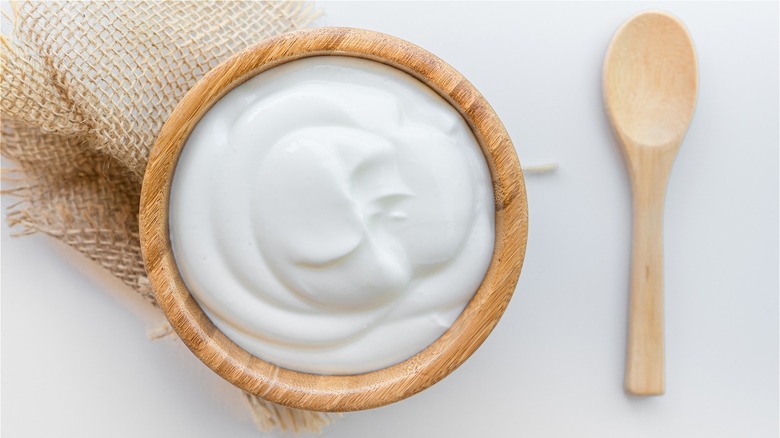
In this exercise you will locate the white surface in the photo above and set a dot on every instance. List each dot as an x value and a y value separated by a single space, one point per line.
75 362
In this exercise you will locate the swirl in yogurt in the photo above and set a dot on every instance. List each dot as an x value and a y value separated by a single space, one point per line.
332 215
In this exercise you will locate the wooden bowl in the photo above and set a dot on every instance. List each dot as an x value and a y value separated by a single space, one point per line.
328 393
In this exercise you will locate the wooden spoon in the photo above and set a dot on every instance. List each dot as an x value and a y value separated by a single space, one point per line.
650 87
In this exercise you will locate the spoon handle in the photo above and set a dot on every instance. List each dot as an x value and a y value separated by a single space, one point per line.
645 355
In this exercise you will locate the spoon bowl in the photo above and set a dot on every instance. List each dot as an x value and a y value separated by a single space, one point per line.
650 89
650 80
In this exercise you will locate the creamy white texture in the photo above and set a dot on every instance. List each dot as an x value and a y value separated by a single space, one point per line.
332 215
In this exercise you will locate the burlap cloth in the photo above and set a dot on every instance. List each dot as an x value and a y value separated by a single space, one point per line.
86 87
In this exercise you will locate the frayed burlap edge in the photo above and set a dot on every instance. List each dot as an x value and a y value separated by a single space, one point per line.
75 180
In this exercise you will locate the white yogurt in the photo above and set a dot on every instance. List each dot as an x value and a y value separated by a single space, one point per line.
332 215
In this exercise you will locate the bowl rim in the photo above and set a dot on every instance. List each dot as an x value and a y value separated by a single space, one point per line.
335 393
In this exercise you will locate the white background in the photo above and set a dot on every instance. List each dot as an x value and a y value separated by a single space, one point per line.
76 362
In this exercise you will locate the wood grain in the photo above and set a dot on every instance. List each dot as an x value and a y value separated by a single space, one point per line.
326 392
650 89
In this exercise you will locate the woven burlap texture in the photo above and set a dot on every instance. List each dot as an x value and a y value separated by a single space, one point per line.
86 87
